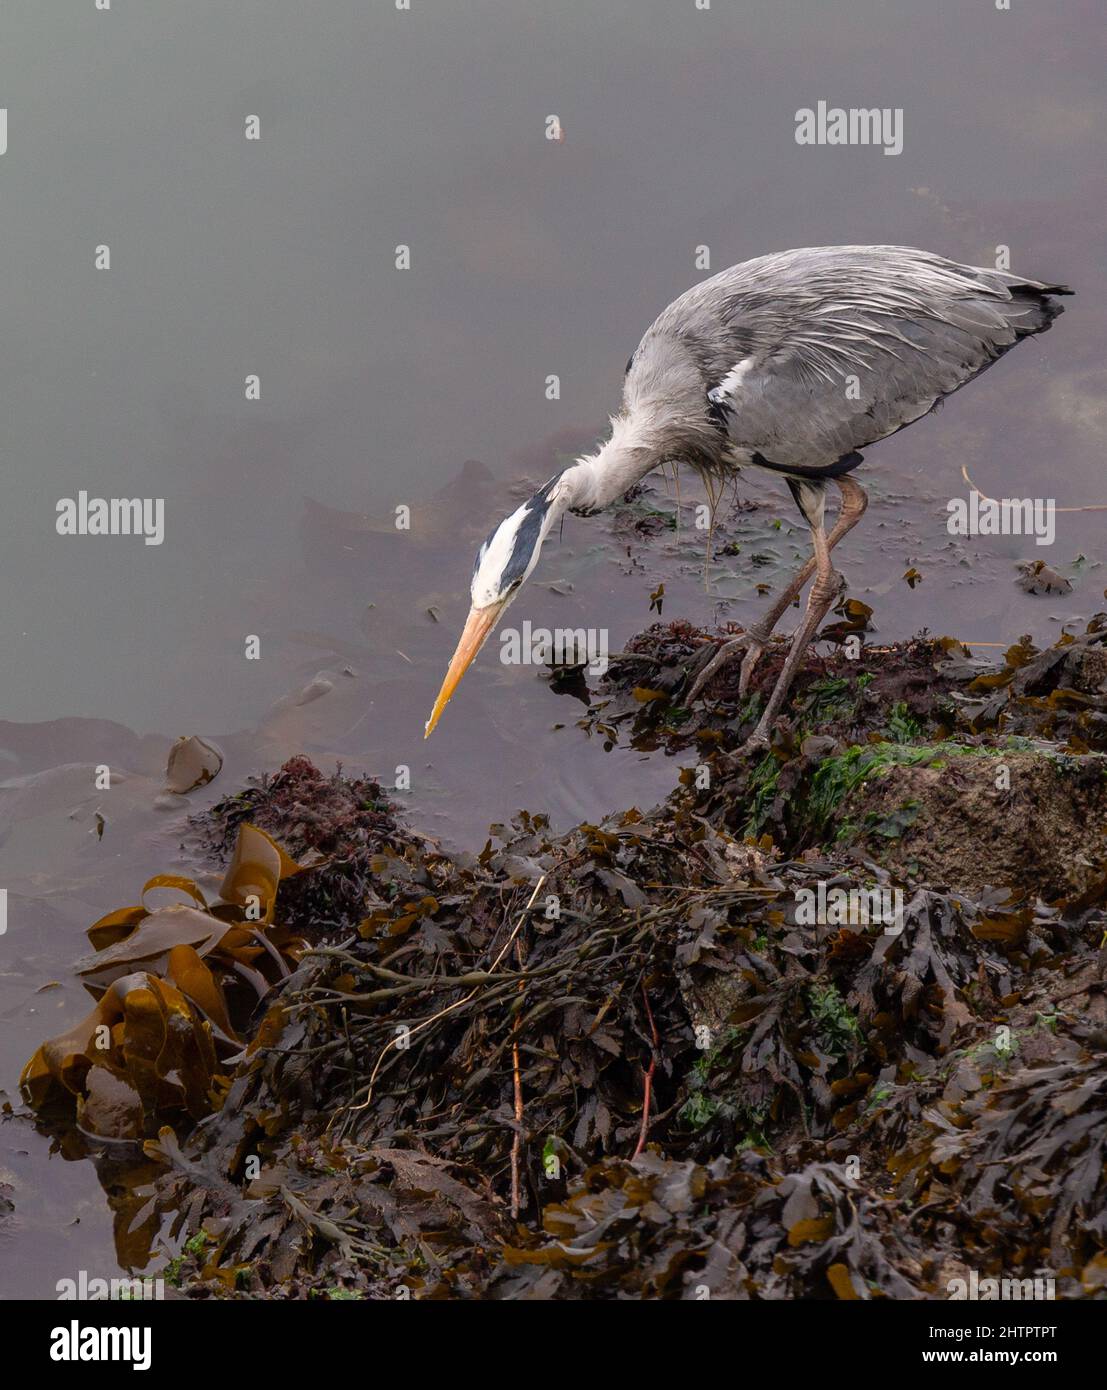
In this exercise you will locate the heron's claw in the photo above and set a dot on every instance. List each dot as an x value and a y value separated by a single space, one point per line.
751 642
749 661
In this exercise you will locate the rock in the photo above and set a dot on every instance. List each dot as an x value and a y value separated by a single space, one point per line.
1085 669
193 762
955 822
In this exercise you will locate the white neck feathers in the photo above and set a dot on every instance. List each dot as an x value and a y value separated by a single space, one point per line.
597 480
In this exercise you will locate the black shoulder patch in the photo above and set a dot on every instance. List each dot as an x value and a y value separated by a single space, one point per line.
846 464
718 412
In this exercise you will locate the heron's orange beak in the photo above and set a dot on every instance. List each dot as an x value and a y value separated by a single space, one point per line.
475 633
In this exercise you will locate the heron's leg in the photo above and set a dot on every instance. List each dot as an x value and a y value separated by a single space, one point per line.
762 631
854 502
823 592
756 637
754 640
818 604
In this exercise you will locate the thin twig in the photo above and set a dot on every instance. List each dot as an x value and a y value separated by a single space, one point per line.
517 1138
647 1081
408 1034
1090 507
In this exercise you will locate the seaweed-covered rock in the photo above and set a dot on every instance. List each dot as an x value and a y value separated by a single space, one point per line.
1034 821
673 1054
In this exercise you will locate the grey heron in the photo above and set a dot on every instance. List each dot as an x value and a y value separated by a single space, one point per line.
791 362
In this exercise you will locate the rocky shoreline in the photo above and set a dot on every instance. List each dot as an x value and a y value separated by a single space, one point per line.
827 1023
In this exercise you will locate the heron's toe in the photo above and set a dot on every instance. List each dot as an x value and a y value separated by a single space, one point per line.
745 642
749 664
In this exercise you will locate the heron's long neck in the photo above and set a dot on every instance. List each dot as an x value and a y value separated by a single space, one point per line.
595 482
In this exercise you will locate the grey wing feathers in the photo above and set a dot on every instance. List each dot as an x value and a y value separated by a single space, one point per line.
816 353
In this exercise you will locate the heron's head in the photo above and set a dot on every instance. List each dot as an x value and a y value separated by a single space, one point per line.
503 562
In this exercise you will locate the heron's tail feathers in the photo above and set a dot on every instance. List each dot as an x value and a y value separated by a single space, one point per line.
1032 308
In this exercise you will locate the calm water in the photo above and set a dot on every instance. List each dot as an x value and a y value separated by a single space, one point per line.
426 388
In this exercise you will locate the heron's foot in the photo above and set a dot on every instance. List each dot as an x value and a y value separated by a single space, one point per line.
749 661
750 642
751 750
